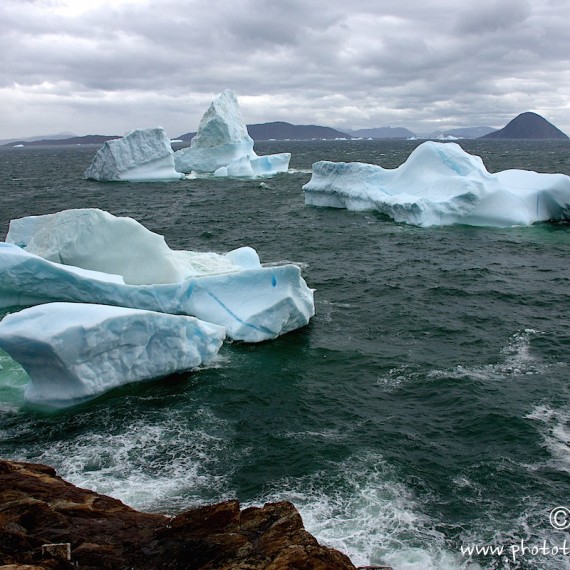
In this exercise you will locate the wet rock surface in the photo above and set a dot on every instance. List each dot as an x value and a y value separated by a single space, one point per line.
37 508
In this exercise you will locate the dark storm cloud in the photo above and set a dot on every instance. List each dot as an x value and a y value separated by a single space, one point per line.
419 64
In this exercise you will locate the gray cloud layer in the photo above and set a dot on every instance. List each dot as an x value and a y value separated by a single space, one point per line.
91 66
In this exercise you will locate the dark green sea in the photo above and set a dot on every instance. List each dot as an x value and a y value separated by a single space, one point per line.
425 408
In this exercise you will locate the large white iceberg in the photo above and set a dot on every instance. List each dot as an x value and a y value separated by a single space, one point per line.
93 239
253 305
73 351
441 184
143 155
222 145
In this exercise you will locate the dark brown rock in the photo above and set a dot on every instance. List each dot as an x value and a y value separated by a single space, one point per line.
37 508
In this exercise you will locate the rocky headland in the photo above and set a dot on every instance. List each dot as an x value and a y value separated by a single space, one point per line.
46 522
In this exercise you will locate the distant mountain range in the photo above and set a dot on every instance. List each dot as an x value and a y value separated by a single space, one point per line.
469 132
88 139
57 136
524 126
528 126
282 131
279 130
382 133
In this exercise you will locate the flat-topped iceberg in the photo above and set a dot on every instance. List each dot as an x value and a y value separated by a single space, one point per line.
222 146
90 256
73 351
253 305
143 155
93 239
441 184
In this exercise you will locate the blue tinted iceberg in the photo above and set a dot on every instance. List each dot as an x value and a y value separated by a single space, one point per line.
222 145
96 240
253 304
441 184
270 163
143 155
73 351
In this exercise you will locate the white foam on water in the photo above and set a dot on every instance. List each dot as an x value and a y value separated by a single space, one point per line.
530 530
359 507
331 434
395 377
300 171
517 359
554 426
165 465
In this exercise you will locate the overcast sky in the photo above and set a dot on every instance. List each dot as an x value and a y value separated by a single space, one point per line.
108 66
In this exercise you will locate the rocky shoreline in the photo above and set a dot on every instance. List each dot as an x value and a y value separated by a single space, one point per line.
38 508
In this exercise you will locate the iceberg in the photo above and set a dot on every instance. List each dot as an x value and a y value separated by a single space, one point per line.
222 146
142 155
441 184
252 304
73 351
93 239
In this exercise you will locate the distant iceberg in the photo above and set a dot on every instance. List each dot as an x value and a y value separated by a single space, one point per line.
73 352
222 146
441 184
90 256
143 155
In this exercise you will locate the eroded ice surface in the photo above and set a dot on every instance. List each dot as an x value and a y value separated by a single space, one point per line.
141 155
251 304
222 145
441 184
74 351
96 240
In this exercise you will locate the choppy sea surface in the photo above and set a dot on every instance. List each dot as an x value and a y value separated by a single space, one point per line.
423 412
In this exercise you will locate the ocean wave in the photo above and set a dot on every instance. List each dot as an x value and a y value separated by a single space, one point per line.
359 507
554 426
166 466
516 359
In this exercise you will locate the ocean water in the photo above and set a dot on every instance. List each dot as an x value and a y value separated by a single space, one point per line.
423 412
